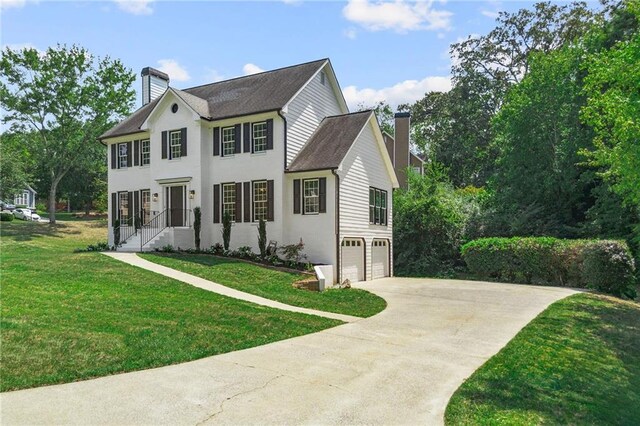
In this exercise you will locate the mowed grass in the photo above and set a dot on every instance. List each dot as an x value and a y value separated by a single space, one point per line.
577 363
68 316
271 284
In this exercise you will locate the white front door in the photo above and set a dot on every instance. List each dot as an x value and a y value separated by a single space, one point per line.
380 259
352 259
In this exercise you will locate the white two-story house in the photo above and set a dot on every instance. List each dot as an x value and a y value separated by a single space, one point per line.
279 145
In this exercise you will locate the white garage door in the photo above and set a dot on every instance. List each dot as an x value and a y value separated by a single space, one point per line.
380 259
352 260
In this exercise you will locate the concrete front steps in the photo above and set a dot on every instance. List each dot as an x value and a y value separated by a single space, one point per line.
133 243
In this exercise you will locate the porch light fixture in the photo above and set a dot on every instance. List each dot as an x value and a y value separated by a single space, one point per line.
155 196
192 194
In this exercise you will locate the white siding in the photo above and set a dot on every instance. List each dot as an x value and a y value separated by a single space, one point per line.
362 168
305 112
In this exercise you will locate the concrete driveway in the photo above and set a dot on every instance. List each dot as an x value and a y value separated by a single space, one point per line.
398 367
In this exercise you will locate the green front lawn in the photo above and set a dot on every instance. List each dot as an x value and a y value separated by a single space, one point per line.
69 316
577 363
270 284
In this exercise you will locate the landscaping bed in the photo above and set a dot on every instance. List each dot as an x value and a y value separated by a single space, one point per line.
270 283
578 362
69 316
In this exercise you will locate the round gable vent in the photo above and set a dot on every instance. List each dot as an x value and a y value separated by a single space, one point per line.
174 108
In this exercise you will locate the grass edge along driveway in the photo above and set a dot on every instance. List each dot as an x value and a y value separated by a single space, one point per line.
270 284
578 362
73 316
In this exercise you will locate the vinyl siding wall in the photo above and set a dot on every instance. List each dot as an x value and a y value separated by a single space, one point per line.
362 168
305 112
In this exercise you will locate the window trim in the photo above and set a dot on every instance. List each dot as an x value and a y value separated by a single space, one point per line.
142 143
378 210
232 142
172 145
305 196
262 138
254 216
232 203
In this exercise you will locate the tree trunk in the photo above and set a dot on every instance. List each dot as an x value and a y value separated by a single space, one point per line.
52 202
87 208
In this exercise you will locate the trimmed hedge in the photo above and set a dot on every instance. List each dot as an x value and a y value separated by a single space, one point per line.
6 217
603 265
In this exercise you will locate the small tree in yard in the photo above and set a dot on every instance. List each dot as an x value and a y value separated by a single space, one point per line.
293 252
67 98
226 230
262 237
197 219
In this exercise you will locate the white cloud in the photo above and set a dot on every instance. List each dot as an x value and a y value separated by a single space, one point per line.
490 13
176 71
135 7
399 15
407 91
249 69
350 33
16 4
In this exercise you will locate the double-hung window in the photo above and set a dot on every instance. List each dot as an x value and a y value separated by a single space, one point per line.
260 200
228 141
123 207
377 206
175 144
229 200
259 137
311 196
145 152
122 155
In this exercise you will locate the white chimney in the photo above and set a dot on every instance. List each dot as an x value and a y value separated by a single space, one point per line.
154 83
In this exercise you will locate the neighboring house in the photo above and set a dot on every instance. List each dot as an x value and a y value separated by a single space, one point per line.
279 145
400 152
26 199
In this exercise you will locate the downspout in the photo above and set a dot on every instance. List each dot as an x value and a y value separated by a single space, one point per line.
337 217
285 137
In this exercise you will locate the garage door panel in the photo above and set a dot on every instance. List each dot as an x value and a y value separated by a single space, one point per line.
380 259
352 260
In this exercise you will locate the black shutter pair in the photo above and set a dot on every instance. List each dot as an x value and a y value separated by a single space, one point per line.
129 154
114 156
136 152
236 136
165 143
270 213
130 209
322 195
246 134
183 142
247 201
114 208
216 203
216 141
238 202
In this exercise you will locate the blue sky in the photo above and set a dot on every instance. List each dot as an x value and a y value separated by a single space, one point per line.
393 51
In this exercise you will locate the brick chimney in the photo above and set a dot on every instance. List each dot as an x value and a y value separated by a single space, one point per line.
154 83
401 147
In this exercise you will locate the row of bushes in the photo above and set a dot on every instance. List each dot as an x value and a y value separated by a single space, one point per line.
604 265
6 217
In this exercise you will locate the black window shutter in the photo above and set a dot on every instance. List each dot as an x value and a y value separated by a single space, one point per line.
114 208
183 142
216 203
247 137
136 205
296 196
270 205
322 199
216 141
164 144
130 206
238 141
114 163
128 154
247 201
270 133
238 201
136 152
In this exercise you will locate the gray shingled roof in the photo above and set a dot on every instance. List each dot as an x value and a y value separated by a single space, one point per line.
267 91
330 143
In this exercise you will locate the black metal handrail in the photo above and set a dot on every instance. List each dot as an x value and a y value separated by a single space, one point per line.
127 229
152 228
179 218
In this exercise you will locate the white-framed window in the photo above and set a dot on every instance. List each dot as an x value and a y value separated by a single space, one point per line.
377 206
123 207
228 141
122 155
175 144
145 152
146 205
229 200
22 199
311 194
260 200
259 137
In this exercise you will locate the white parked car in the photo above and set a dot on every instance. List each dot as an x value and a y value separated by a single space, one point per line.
35 216
25 214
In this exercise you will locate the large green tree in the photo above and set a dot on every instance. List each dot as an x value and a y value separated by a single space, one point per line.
13 166
68 97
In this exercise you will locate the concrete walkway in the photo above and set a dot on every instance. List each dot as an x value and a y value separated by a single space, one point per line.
398 367
135 260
